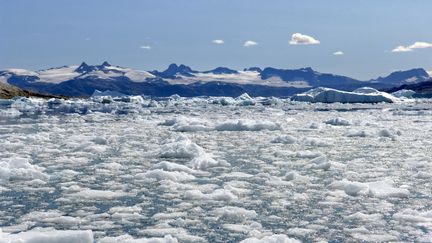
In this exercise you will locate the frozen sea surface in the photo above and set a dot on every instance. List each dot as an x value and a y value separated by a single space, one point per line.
214 170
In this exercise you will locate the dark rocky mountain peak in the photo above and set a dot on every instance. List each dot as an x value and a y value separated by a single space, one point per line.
222 70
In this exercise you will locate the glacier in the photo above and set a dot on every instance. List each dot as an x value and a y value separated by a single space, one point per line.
214 169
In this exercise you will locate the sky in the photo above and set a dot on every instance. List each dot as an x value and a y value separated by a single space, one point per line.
361 39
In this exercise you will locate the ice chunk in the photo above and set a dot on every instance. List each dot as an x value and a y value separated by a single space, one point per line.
245 100
20 169
204 161
350 187
181 147
413 216
168 166
160 175
383 189
130 239
218 195
371 237
320 163
271 239
406 93
11 113
188 124
361 133
286 139
338 122
51 236
247 125
380 189
89 194
365 217
385 133
315 142
300 232
328 95
234 213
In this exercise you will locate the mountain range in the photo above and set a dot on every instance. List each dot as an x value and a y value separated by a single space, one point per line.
82 80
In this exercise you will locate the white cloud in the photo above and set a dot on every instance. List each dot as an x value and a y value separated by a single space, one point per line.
218 42
401 49
420 45
250 43
416 45
145 47
338 53
300 39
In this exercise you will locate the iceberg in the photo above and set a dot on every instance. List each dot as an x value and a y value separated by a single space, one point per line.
328 95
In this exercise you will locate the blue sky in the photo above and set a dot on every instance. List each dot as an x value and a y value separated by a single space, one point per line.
151 34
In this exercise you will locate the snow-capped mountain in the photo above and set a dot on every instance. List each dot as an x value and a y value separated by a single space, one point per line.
404 77
66 73
84 79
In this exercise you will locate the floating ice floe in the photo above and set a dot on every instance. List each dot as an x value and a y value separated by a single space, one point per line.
320 163
247 125
245 100
159 175
404 93
190 124
130 239
234 213
11 113
328 95
183 148
338 122
91 194
180 147
216 195
20 169
107 167
380 189
49 236
286 139
271 239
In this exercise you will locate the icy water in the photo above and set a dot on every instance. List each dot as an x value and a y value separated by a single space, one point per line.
201 171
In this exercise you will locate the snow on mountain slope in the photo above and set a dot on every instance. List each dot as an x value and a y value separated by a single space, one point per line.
21 72
241 77
57 75
133 75
65 73
84 79
4 78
